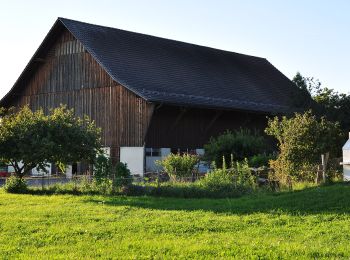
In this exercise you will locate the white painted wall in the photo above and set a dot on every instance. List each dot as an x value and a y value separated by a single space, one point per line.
69 171
203 167
151 160
200 151
151 163
134 158
165 152
346 161
38 172
346 172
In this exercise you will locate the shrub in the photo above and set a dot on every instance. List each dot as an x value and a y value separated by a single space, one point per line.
179 166
260 160
15 185
122 175
237 177
102 169
104 186
301 141
108 177
241 144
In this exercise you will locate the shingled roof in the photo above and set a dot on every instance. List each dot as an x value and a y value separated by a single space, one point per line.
178 73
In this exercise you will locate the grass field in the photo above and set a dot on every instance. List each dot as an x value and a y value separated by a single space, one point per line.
312 223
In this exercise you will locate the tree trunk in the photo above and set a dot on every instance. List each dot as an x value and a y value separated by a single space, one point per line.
20 172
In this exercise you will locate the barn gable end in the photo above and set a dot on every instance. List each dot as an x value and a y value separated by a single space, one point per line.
65 73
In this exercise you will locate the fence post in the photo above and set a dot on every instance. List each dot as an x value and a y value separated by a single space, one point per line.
158 178
324 159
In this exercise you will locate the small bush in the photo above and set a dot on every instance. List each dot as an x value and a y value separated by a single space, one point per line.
122 176
102 169
15 185
238 176
240 144
179 166
133 190
261 160
104 186
108 178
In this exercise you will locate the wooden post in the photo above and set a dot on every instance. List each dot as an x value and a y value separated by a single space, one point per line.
324 159
158 178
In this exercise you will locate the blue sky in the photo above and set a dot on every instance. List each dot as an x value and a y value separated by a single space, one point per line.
312 36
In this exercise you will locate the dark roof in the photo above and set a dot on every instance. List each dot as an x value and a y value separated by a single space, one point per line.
173 72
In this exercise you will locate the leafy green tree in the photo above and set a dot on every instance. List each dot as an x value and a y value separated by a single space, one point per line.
240 144
301 141
327 102
302 99
30 139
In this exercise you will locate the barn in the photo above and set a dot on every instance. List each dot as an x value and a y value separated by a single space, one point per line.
150 95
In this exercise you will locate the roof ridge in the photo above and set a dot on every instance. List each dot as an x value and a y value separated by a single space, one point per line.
62 19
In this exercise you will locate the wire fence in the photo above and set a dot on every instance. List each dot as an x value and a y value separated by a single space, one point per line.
147 177
262 174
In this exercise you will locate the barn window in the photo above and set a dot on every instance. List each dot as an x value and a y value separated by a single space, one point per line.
183 151
153 152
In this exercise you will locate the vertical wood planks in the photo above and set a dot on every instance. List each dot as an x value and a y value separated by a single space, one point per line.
69 75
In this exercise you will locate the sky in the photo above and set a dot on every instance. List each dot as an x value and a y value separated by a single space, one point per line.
309 36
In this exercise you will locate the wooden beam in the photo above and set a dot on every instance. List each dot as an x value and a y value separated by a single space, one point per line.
178 118
150 110
213 120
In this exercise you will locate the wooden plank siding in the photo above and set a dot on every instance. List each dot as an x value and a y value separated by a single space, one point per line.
191 128
69 75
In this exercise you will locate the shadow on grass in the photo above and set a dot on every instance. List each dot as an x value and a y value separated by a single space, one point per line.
325 199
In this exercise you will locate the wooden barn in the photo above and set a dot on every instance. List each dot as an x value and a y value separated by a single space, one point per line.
150 95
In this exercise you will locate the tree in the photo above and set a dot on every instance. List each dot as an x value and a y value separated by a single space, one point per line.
302 98
240 144
32 139
327 102
301 141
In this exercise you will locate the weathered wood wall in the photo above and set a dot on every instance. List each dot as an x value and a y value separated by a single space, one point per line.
69 75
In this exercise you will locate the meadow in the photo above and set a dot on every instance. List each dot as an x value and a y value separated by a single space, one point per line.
309 223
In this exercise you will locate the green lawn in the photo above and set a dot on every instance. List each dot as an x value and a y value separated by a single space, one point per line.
312 223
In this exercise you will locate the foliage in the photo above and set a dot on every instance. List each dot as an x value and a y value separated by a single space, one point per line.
103 168
238 176
179 166
241 144
122 175
292 225
107 174
190 190
15 185
327 102
104 186
301 141
34 139
302 99
261 160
